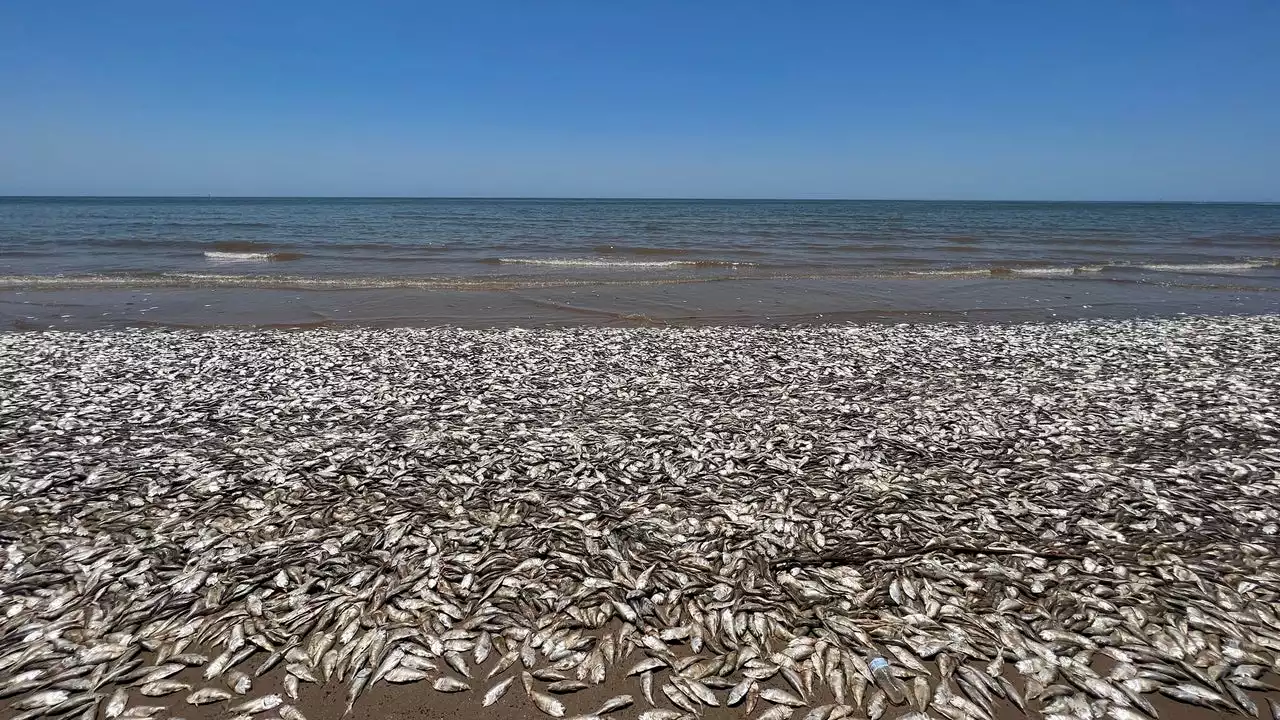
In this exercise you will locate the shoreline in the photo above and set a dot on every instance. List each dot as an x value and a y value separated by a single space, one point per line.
808 301
1081 517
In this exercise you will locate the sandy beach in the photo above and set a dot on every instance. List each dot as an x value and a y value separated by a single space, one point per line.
648 304
1078 518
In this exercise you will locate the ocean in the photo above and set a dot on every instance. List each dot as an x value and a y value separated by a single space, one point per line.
479 261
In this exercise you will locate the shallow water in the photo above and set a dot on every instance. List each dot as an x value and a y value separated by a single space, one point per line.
482 262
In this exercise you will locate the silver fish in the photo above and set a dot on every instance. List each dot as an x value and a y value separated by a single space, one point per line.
738 692
660 714
301 672
645 665
116 704
495 693
204 696
781 697
258 705
142 711
239 682
45 699
548 704
1195 695
160 688
448 684
615 703
405 675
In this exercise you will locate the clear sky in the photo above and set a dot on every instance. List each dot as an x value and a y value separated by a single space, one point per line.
1087 99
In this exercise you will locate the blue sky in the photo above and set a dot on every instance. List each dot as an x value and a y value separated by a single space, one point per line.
646 98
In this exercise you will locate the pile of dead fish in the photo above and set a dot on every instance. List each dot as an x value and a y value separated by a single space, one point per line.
1067 518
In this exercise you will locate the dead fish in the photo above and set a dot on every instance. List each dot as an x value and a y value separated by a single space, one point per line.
161 672
45 699
161 688
907 659
217 666
406 675
738 692
679 698
504 663
1120 712
781 697
714 544
116 704
98 654
189 659
301 672
919 694
495 693
1195 695
458 663
484 645
239 682
615 703
1142 685
447 684
142 711
418 663
646 665
1241 699
877 701
204 696
697 691
258 705
547 704
561 687
822 712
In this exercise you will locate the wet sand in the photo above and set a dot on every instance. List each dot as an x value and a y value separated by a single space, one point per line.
418 701
724 302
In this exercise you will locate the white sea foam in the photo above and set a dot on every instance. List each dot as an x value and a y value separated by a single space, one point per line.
1205 267
236 256
602 263
1028 271
952 272
1043 271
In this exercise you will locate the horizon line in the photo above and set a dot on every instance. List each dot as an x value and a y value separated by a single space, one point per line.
621 198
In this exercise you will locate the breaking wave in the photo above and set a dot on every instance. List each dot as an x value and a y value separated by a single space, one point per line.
227 256
625 264
1207 267
953 272
1054 270
1029 271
